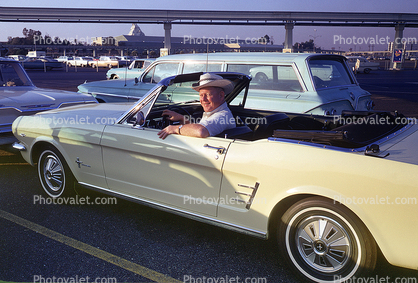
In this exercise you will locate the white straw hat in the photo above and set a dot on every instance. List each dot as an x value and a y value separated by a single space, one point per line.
212 80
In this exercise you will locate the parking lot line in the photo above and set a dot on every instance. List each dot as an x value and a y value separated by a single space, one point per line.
108 257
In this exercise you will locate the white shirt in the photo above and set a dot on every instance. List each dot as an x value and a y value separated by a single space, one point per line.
218 120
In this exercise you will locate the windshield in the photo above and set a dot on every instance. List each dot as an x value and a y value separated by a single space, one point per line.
12 74
178 96
329 73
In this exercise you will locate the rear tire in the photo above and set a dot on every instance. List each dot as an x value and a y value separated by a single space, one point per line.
54 174
325 242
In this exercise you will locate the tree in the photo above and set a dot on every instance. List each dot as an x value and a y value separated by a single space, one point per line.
307 45
264 40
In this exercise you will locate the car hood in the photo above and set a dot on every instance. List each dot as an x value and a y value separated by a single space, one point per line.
33 98
99 113
97 85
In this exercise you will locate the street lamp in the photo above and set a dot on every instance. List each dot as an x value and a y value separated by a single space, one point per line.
314 37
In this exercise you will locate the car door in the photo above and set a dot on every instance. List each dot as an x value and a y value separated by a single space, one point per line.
180 172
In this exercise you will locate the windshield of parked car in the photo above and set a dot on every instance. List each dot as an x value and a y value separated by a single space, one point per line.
12 74
329 73
160 71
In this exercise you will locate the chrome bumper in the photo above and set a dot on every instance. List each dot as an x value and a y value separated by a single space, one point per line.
19 146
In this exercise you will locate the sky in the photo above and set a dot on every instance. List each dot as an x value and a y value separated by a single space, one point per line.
340 38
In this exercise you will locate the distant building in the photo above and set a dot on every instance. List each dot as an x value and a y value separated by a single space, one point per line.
137 39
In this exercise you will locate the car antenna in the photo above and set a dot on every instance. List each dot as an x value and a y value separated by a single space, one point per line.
126 72
207 56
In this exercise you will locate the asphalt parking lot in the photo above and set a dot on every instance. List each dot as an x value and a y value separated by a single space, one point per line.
112 240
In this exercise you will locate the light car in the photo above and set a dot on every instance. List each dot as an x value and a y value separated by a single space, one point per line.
331 192
80 61
105 61
135 69
64 59
300 83
18 96
365 66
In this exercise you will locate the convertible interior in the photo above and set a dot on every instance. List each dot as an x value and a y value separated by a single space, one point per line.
353 129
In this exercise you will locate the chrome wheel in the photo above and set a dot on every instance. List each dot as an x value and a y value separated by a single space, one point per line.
53 173
324 241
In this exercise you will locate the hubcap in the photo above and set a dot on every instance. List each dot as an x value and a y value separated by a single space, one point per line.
53 173
323 243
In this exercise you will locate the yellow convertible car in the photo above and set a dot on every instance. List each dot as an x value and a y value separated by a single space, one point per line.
333 191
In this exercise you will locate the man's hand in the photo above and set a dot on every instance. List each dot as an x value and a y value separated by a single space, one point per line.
168 131
173 116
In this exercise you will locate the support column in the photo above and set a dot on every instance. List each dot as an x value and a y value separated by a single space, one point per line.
288 41
167 36
397 44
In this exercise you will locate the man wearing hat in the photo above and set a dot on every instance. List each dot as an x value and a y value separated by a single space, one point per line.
216 117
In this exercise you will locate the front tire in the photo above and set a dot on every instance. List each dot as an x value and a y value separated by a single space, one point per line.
54 174
325 241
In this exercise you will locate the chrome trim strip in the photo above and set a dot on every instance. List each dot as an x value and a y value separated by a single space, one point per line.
14 108
39 109
194 216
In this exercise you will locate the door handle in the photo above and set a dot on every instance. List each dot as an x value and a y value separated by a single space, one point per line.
219 150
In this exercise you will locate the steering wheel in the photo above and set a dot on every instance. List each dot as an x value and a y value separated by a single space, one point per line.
166 122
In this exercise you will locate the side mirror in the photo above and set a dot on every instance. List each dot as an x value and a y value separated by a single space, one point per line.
136 80
139 121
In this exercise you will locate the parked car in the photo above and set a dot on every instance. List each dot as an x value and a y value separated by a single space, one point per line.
17 57
18 96
79 61
105 61
124 60
302 83
365 66
135 69
41 63
312 183
64 59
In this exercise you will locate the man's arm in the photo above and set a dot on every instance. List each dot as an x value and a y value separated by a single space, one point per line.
191 130
174 116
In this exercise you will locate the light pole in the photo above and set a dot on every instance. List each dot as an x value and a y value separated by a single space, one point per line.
314 38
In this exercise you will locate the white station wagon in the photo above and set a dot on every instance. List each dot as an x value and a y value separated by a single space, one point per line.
299 83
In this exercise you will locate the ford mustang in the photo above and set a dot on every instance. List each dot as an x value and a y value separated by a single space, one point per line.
331 190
